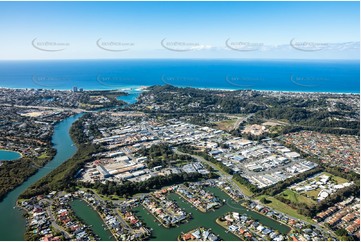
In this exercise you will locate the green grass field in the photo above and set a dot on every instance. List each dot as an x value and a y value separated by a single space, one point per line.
339 180
284 208
226 124
44 155
314 193
297 198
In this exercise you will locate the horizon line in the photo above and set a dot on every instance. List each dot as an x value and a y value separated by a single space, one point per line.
167 58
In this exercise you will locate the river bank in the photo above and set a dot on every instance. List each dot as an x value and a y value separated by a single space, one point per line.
12 223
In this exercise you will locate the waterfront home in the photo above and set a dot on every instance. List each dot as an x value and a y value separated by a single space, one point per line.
232 228
50 237
259 207
187 237
260 228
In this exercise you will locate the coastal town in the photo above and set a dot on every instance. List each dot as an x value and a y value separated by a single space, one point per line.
180 120
144 175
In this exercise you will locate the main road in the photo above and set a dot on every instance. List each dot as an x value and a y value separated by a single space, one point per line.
224 175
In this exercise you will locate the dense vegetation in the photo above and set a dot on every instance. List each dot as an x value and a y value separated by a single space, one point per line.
77 131
300 118
14 173
187 96
62 178
163 155
130 188
87 102
344 235
309 113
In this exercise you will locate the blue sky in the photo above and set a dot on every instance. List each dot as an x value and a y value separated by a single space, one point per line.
257 30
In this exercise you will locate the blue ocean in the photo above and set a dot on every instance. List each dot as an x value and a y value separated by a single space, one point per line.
341 76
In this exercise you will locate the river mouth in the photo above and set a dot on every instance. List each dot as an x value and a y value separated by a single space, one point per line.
131 97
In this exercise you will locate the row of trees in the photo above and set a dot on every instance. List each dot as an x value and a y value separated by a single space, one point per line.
280 186
245 182
190 150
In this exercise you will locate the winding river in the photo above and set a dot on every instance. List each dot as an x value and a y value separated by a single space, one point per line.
12 222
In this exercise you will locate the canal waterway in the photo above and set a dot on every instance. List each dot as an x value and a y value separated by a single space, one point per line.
207 220
91 218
